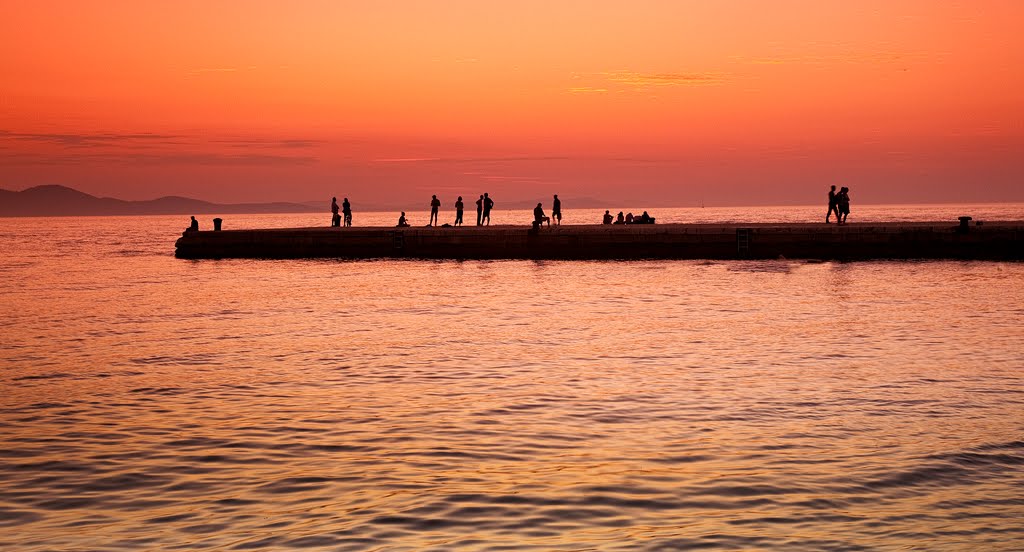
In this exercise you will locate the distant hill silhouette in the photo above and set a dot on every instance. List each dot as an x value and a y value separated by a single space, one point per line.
55 200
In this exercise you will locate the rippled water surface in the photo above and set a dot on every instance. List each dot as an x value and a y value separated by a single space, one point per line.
150 403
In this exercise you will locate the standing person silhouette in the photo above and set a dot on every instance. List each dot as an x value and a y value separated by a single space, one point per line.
458 211
488 205
843 203
346 209
556 211
479 210
434 204
335 219
832 205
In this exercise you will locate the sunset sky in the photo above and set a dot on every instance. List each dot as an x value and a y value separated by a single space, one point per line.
646 102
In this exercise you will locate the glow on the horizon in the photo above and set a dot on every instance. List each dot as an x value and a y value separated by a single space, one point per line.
730 102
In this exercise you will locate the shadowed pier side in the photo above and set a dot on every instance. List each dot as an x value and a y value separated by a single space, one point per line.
1000 240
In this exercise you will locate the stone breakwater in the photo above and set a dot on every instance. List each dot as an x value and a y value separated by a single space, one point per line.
925 240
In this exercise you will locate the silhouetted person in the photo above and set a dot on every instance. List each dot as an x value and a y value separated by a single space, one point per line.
479 210
346 209
434 204
193 226
458 211
629 218
335 218
402 222
556 210
645 219
488 205
832 205
538 216
620 219
607 217
843 204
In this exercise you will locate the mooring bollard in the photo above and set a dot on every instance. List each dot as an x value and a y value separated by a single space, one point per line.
216 224
964 228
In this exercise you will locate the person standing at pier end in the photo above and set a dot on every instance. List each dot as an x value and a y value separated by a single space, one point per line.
832 205
335 218
488 205
479 210
458 211
556 211
434 205
346 210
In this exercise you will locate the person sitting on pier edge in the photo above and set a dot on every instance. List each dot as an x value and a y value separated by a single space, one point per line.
458 211
620 219
434 205
488 205
832 208
193 226
607 217
479 210
645 219
556 210
402 223
629 218
538 216
346 209
335 218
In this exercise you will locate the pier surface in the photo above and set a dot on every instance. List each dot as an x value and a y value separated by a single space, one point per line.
897 240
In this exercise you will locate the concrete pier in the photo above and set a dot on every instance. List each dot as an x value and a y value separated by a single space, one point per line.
897 240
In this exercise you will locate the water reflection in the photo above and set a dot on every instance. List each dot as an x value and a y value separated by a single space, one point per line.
151 402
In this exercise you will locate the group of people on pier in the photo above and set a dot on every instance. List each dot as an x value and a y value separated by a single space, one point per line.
628 218
838 203
484 205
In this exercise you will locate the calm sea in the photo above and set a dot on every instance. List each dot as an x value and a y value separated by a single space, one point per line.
150 403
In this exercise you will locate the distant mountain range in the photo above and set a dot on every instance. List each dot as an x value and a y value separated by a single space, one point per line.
54 200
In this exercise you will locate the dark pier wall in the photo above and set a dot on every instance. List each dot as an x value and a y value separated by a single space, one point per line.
669 241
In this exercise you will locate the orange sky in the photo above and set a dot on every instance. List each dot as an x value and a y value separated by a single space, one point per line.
647 102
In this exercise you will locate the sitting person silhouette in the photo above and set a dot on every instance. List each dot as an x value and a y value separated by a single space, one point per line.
538 216
629 218
402 222
620 219
607 217
194 225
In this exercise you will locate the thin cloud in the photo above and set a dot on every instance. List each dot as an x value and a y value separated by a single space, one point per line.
408 160
183 158
469 159
84 140
846 57
648 80
296 143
